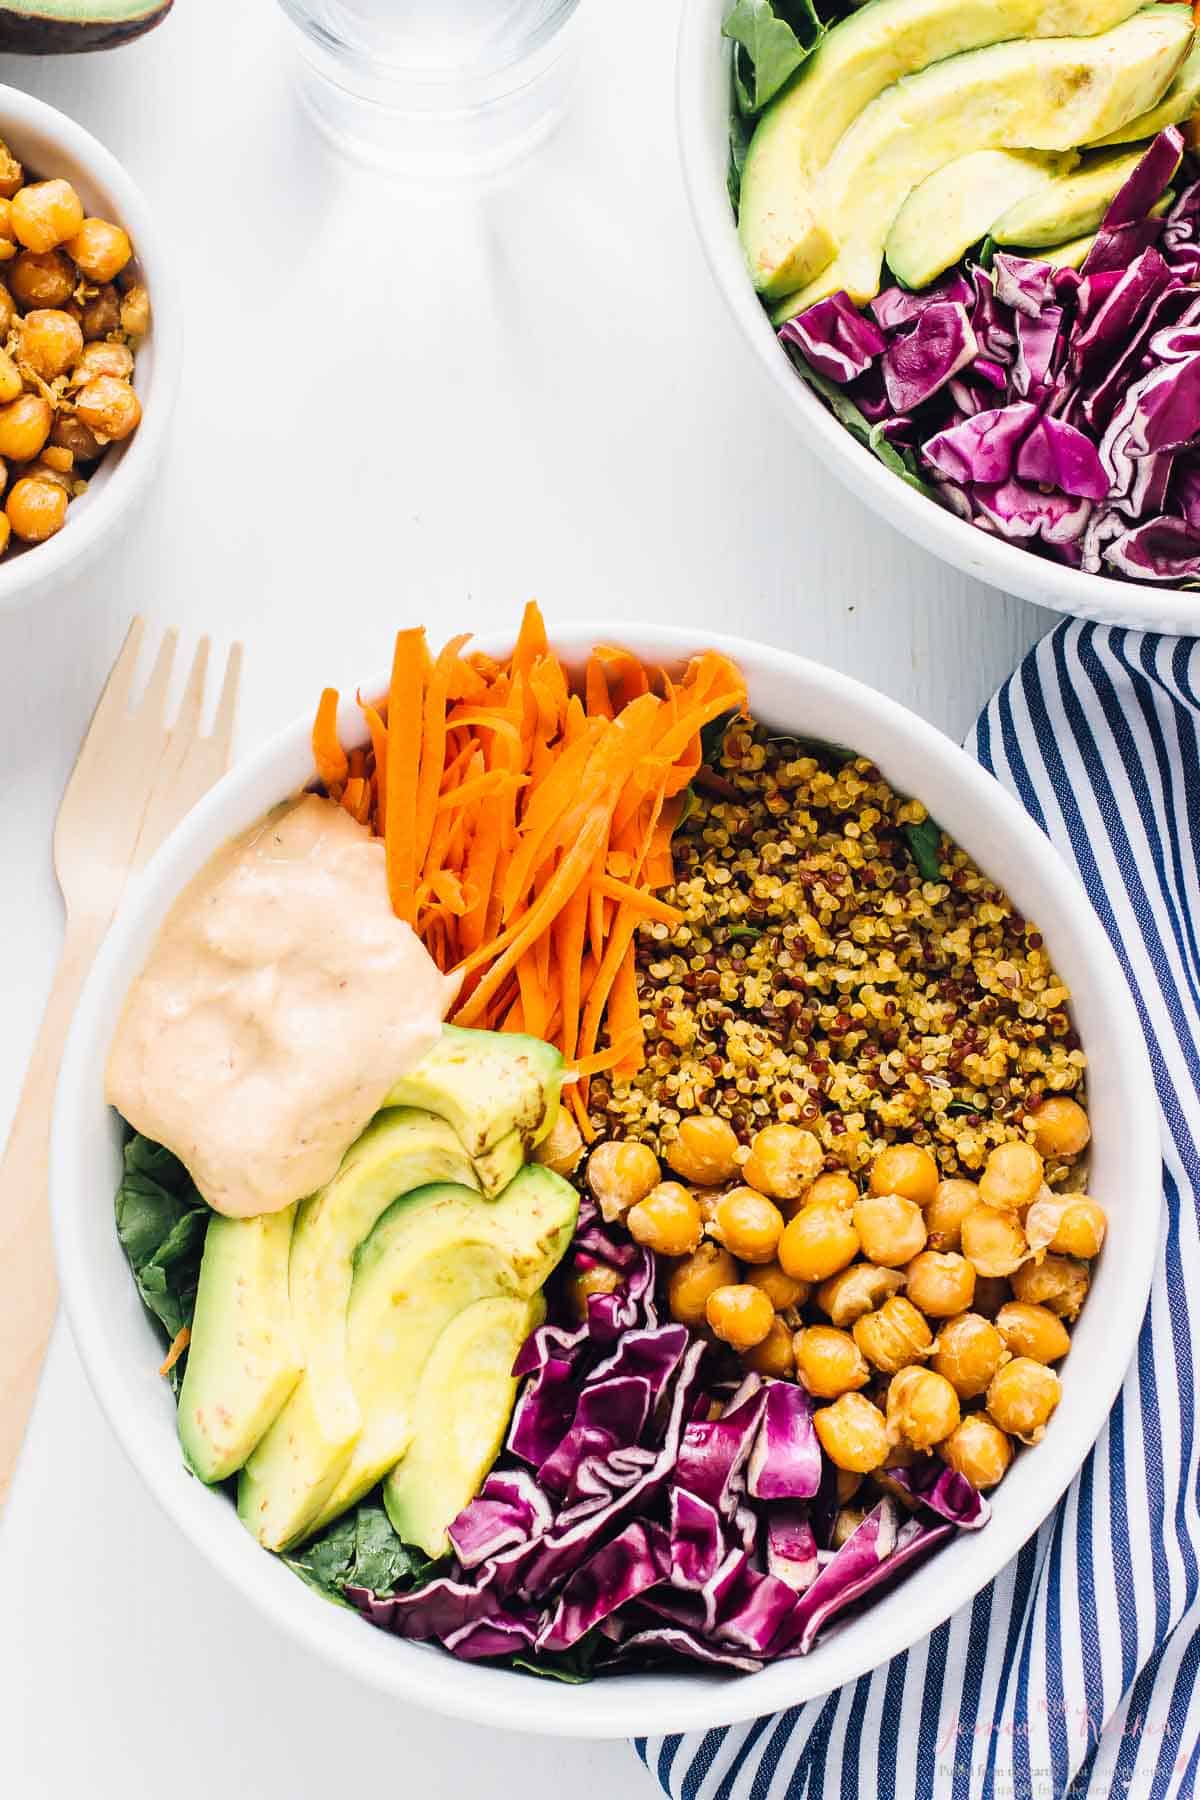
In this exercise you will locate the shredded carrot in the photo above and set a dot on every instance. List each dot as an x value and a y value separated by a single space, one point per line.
179 1344
333 765
527 817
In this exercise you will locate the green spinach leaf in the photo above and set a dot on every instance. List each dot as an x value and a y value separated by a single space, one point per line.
900 462
574 1665
771 39
360 1550
161 1223
925 847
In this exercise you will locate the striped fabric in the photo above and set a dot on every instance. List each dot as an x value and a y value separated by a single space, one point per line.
1075 1672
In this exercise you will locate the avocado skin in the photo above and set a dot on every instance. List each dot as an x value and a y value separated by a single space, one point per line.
35 34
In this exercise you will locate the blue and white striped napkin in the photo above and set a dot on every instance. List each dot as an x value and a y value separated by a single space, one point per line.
1075 1672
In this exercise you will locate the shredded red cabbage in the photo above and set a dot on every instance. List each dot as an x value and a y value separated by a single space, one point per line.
1054 408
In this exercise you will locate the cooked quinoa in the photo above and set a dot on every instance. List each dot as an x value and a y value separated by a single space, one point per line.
818 979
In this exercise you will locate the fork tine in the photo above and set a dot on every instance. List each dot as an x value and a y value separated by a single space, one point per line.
154 699
222 731
191 706
115 694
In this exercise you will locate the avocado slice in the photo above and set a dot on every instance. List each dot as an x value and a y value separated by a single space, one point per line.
487 1084
432 1254
1073 254
244 1357
295 1466
787 241
1177 105
1047 94
1070 207
463 1404
50 27
954 208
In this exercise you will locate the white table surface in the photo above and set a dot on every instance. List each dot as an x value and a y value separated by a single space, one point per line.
397 406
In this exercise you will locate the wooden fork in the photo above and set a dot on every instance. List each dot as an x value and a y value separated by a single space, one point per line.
134 779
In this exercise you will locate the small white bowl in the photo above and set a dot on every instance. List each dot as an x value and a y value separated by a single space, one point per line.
50 144
703 101
121 1351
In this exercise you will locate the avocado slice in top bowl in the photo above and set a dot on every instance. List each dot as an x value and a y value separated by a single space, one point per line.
49 27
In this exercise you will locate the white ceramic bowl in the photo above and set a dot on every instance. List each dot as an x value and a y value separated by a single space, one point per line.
51 144
703 100
122 1351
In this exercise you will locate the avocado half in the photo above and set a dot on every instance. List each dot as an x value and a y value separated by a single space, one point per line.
59 27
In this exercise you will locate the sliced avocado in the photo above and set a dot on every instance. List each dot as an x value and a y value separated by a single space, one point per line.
244 1357
954 208
787 241
1074 254
432 1254
296 1465
1071 206
487 1084
463 1404
1177 105
1042 95
49 27
495 1168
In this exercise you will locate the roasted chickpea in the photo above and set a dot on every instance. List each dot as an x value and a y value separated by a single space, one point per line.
58 459
779 1287
993 1241
1058 1282
922 1408
12 175
8 237
774 1356
905 1169
837 1187
135 311
620 1172
36 510
24 427
978 1449
583 1283
740 1315
667 1221
828 1362
1060 1127
991 1291
1081 1228
947 1210
940 1283
101 313
562 1146
894 1336
1033 1331
819 1241
5 533
41 470
108 407
105 358
37 279
99 250
705 1150
692 1281
852 1433
10 379
8 312
1011 1177
1021 1397
784 1160
50 342
857 1290
968 1352
71 434
45 214
890 1228
748 1225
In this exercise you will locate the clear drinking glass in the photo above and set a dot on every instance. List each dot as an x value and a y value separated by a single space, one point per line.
434 87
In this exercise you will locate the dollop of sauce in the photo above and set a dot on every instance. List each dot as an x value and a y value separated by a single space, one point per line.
282 998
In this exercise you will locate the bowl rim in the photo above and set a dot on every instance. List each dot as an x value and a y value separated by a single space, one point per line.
20 576
1142 605
637 1704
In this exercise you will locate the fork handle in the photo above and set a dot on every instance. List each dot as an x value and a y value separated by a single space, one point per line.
28 1287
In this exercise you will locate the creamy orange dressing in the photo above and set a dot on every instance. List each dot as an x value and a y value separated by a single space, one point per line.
281 1000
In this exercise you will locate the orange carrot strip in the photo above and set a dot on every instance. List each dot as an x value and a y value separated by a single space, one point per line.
531 640
179 1344
533 999
328 755
431 748
644 904
625 1018
480 786
596 695
483 720
570 929
585 1066
618 946
358 763
379 744
405 696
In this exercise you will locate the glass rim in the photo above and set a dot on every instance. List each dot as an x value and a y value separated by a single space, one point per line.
302 16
